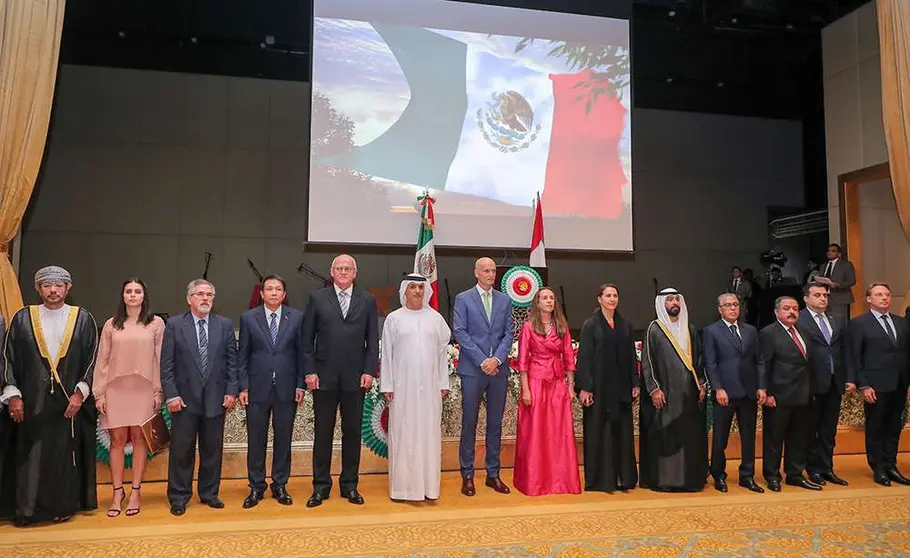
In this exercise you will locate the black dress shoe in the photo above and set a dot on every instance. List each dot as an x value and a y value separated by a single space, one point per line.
496 484
880 477
803 483
897 477
280 493
817 479
178 509
467 486
750 484
215 503
253 499
720 485
354 497
315 500
834 479
774 486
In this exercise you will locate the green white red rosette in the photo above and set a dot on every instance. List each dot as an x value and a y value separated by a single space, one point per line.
103 443
375 423
521 283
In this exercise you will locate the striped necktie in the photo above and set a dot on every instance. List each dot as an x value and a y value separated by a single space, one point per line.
345 303
273 328
203 348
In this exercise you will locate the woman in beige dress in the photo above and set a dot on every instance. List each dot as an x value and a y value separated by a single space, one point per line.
127 385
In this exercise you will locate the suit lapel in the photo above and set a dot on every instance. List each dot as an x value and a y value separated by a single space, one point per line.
333 301
215 335
740 347
263 324
283 323
789 339
192 340
356 303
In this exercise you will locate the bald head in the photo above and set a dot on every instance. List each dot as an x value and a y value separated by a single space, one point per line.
485 272
344 271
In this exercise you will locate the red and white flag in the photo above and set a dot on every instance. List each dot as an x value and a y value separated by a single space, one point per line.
538 257
425 258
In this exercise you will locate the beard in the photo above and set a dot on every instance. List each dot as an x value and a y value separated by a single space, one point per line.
673 311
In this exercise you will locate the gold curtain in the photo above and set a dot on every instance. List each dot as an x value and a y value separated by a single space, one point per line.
894 36
29 45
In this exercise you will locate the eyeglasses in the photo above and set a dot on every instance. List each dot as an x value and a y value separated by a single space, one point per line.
204 295
344 269
730 305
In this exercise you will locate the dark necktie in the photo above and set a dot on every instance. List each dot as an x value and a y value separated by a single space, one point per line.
888 328
823 326
736 338
273 328
828 269
203 348
799 344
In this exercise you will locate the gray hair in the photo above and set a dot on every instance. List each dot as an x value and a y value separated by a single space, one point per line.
335 259
722 296
195 283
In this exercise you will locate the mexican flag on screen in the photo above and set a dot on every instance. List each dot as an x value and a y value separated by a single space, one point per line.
425 258
481 124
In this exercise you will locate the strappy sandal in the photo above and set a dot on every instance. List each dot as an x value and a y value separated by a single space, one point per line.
112 511
130 512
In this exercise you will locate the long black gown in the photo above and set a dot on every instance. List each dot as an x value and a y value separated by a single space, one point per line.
54 456
7 475
607 368
673 440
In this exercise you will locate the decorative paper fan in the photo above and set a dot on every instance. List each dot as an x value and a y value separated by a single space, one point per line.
375 424
521 283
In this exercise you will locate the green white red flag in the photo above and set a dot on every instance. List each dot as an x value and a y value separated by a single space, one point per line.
425 258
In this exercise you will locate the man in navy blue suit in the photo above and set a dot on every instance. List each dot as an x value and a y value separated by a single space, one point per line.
833 376
483 329
270 366
736 370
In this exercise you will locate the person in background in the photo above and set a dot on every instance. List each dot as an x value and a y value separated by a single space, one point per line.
833 376
880 349
270 372
199 377
811 272
546 459
127 386
607 382
742 288
839 275
736 370
50 355
483 330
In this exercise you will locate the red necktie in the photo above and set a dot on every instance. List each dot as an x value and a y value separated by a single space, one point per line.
796 340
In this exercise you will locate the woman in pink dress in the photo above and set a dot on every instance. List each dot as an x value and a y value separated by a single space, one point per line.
546 459
127 385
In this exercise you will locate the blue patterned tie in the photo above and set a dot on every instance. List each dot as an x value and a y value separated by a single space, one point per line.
823 326
203 348
273 328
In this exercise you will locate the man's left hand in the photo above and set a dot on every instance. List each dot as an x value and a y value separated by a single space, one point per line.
701 394
366 381
229 402
75 404
298 397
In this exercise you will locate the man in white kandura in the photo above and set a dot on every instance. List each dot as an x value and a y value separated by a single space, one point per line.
413 370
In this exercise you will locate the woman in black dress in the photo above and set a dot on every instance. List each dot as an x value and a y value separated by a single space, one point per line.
607 383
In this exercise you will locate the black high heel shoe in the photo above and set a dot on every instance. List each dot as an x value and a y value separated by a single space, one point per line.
112 511
130 512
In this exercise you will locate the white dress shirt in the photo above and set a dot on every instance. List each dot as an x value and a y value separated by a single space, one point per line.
796 329
878 318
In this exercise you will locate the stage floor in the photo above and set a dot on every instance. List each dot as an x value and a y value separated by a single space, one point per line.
861 519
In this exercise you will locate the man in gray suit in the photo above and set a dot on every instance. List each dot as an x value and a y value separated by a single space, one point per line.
199 379
840 276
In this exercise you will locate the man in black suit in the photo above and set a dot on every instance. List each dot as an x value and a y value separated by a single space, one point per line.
839 275
788 398
736 370
199 379
880 348
270 365
833 376
341 356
